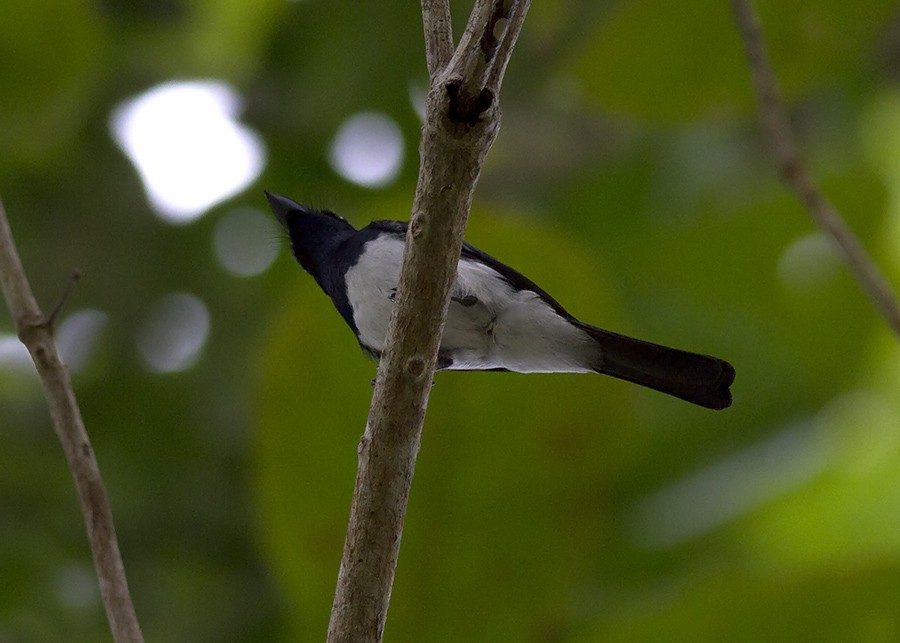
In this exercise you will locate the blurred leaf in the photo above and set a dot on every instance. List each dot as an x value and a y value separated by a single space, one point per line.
50 54
843 604
228 38
666 61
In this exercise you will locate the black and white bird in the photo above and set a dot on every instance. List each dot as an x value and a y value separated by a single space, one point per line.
498 319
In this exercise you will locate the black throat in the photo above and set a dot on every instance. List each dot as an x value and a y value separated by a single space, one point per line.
318 240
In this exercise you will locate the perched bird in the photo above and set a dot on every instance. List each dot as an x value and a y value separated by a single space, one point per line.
498 319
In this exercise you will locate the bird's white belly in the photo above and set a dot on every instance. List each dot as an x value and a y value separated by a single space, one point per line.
504 328
521 333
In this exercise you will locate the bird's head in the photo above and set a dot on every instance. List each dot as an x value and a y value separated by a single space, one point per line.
314 234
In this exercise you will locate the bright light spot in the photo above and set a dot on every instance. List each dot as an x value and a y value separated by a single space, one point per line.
808 262
188 148
367 150
76 586
14 356
243 242
174 333
77 335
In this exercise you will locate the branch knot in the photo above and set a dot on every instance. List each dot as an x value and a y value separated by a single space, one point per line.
415 366
466 108
29 329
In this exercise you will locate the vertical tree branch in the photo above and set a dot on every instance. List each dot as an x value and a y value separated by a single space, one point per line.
462 119
36 333
780 136
438 34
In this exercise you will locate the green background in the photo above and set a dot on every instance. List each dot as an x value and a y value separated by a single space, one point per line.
629 180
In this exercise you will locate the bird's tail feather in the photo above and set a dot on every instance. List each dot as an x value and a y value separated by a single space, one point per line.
699 379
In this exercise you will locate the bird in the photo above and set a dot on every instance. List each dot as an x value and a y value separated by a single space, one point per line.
497 319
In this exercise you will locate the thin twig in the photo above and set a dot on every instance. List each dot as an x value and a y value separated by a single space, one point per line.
515 17
438 34
460 127
61 304
777 129
470 60
35 332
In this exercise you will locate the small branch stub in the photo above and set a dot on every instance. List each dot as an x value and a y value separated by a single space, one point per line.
70 287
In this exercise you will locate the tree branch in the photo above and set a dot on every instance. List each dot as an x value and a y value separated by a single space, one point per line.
438 34
515 17
777 129
460 127
485 47
36 333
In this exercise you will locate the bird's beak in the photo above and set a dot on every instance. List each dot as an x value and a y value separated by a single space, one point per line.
282 207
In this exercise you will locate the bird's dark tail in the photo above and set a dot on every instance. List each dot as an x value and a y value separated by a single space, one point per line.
699 379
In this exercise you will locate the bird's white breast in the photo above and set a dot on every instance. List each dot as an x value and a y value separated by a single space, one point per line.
505 327
370 284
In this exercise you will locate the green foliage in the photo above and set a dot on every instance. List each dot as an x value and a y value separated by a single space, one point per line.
51 55
629 181
689 53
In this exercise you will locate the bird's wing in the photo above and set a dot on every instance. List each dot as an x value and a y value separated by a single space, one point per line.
512 276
